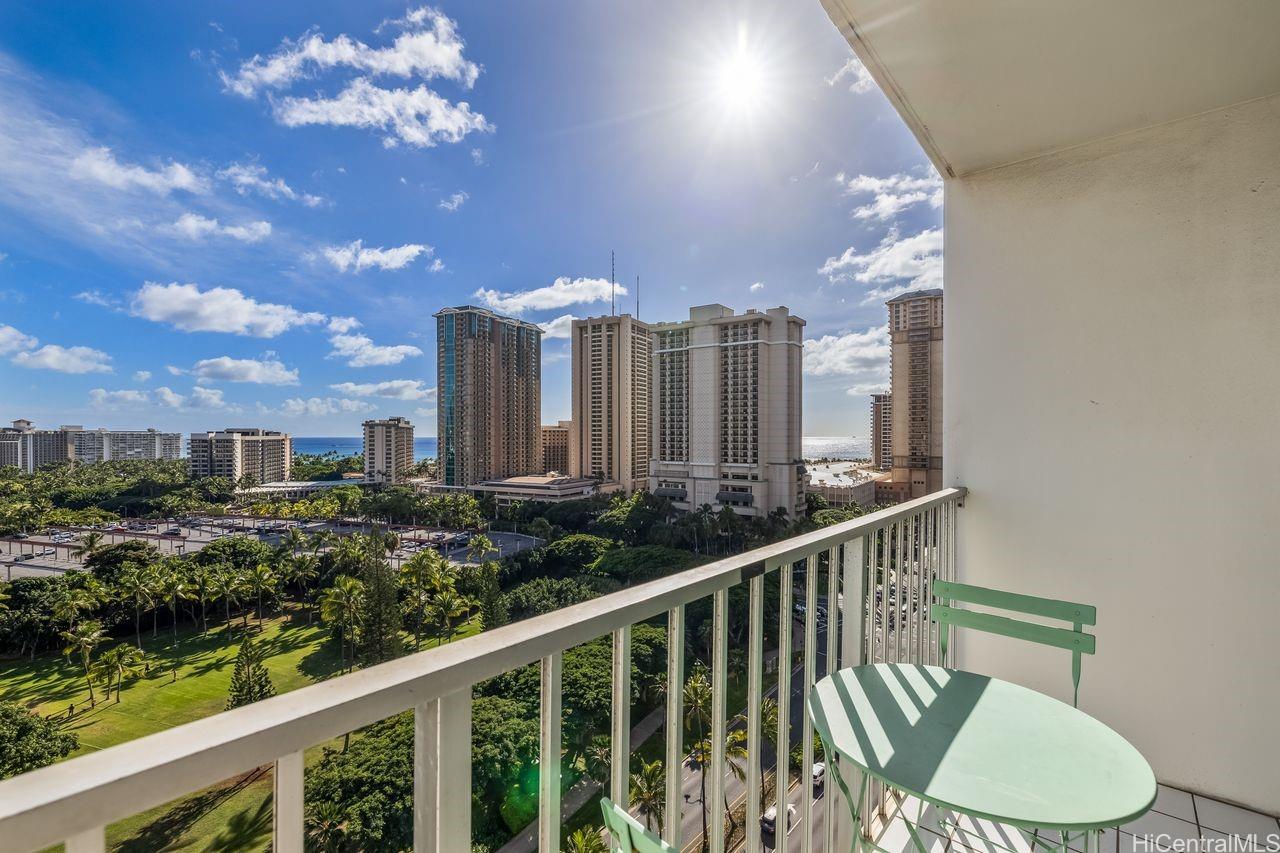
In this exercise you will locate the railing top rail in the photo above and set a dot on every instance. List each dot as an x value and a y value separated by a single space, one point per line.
47 805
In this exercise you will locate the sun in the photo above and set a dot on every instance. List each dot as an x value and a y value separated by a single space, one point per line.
739 82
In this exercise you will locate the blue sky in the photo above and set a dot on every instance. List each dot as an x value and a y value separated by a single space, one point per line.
245 214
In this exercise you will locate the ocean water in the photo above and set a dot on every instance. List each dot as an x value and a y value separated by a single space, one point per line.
815 446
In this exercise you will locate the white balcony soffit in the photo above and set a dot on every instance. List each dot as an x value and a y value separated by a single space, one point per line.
985 83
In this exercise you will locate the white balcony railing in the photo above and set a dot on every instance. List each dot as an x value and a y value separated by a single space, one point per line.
885 561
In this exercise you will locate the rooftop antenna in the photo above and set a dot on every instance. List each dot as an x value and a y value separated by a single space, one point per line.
613 306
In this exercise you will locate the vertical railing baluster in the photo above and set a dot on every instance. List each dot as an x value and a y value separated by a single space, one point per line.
549 744
286 803
89 841
782 774
719 685
883 590
675 726
442 773
806 689
620 739
833 663
755 686
858 587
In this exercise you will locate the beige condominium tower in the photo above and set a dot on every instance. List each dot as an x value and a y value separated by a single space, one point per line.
915 331
388 449
611 399
882 431
259 455
488 395
555 447
726 411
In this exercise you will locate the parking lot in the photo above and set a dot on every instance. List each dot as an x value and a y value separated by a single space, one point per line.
51 551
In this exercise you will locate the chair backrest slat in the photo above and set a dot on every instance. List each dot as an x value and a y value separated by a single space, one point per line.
1074 640
1045 635
1067 611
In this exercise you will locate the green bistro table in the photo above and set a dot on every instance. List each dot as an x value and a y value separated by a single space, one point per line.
981 747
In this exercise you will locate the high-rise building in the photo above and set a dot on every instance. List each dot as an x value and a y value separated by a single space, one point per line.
555 446
263 456
25 447
101 445
882 431
915 330
489 395
611 398
726 411
388 449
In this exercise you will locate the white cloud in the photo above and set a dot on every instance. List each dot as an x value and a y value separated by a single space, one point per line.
315 406
206 398
896 265
343 324
477 156
176 371
559 294
65 359
361 351
757 287
101 165
219 309
860 80
395 389
355 257
11 340
95 297
866 389
436 265
893 194
428 46
850 354
417 117
252 178
560 327
3 256
101 398
267 371
141 375
200 398
425 412
193 226
454 201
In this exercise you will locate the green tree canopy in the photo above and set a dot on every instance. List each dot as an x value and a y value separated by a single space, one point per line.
28 740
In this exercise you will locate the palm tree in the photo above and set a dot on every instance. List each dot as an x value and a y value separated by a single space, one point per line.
649 792
118 663
597 757
89 545
446 606
320 540
305 568
75 602
226 586
293 542
135 586
421 576
82 640
325 825
260 579
201 585
697 703
478 547
340 606
586 840
173 586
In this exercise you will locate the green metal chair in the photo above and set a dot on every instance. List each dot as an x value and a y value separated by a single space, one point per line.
1074 640
628 835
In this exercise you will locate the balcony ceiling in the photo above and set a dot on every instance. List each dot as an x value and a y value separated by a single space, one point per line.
984 83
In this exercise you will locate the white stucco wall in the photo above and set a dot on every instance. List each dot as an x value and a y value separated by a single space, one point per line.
1113 404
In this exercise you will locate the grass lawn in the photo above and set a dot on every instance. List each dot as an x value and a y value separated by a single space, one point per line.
234 815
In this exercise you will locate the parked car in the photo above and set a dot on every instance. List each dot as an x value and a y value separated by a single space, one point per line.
173 531
819 775
769 822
